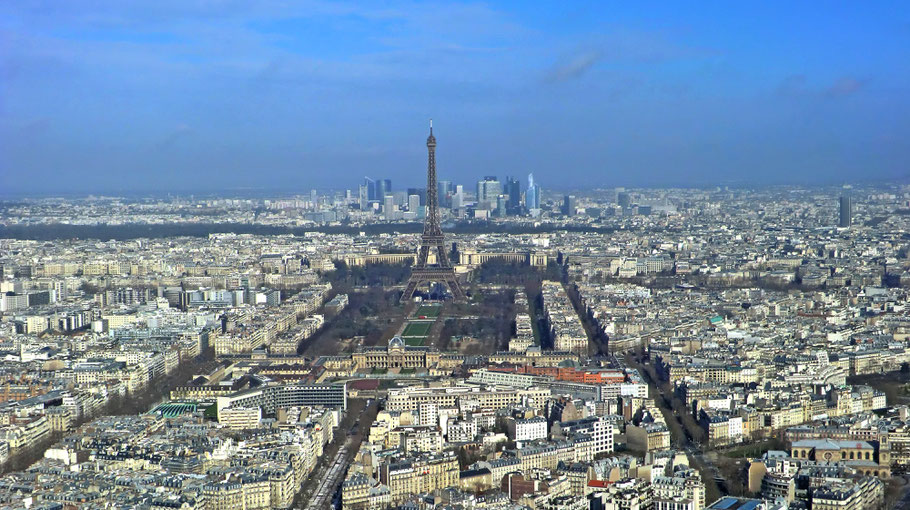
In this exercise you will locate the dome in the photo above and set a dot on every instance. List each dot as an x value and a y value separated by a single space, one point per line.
396 341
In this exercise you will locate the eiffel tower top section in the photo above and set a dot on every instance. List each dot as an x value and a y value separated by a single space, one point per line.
431 226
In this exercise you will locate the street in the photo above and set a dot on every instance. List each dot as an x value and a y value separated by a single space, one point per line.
330 480
322 484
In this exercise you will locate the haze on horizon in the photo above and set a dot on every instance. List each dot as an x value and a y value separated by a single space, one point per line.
108 96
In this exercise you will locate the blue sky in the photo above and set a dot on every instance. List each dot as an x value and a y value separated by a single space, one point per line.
186 95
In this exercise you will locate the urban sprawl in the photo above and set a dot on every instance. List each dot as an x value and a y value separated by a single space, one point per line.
634 349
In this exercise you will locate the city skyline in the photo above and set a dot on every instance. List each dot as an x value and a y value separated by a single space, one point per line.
182 97
601 330
650 256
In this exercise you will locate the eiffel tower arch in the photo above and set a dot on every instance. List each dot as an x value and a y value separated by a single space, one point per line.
432 239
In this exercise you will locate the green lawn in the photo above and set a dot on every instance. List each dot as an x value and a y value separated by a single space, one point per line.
430 312
417 329
414 342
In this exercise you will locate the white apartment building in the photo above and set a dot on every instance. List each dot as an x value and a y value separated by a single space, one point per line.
530 429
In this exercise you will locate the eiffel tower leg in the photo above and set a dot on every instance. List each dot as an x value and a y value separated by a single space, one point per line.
409 290
455 288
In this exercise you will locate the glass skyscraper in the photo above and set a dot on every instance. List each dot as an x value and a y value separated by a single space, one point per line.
532 196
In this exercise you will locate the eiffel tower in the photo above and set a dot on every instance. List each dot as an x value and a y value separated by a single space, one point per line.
432 237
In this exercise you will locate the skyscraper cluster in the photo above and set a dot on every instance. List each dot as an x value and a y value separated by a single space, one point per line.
488 190
500 199
492 198
377 194
378 189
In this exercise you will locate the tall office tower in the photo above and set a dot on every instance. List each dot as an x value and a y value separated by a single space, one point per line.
383 188
363 197
458 197
313 198
388 207
487 191
372 189
502 205
846 210
624 199
445 194
413 203
513 190
432 238
568 205
532 196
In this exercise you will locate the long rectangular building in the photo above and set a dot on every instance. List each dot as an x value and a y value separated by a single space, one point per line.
271 398
503 378
524 381
410 399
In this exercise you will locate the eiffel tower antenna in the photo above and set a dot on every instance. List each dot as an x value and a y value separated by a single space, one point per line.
432 238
